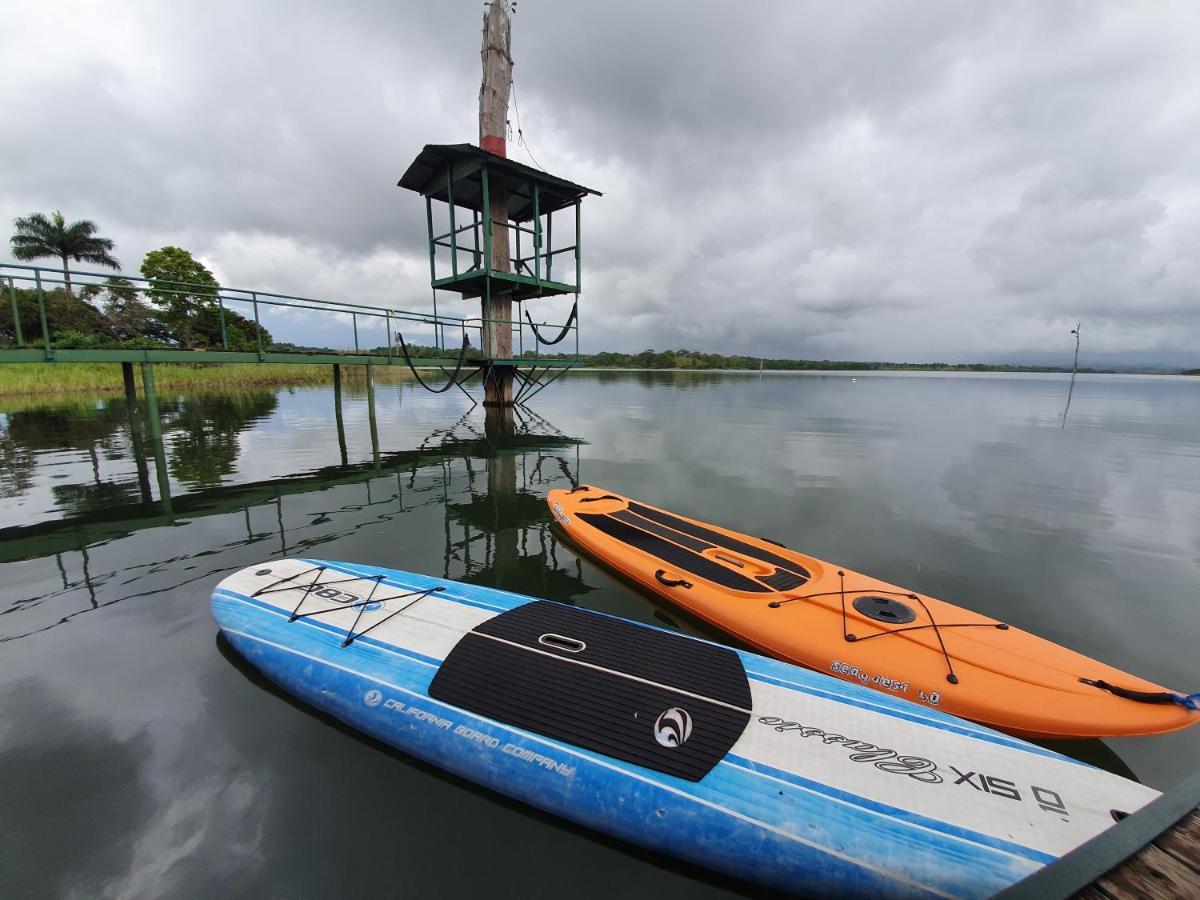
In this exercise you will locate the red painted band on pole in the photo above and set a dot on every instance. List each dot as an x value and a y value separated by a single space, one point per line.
494 144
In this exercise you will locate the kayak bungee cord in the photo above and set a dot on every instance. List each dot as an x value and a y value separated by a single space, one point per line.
937 627
1189 702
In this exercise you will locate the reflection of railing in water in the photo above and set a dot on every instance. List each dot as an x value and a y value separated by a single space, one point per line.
503 553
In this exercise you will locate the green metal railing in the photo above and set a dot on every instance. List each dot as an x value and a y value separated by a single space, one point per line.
44 280
536 265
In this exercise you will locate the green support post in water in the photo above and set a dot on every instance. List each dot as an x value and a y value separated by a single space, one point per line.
135 431
337 410
130 385
12 296
156 437
371 412
37 277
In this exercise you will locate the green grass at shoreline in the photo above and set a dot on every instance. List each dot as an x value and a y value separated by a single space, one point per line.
41 379
65 379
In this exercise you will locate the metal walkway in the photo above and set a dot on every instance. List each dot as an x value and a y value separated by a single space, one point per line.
31 339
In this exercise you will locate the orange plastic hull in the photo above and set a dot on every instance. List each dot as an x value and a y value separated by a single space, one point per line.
813 613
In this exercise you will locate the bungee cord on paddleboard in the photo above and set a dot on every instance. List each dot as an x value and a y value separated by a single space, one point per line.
359 603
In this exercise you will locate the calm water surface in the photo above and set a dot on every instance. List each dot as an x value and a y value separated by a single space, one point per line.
138 756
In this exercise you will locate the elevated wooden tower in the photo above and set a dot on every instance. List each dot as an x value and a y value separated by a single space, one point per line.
497 242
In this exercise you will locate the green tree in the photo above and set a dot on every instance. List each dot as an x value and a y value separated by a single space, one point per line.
186 294
65 314
182 287
129 316
239 330
38 236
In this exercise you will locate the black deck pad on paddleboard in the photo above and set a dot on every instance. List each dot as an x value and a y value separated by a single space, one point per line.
659 700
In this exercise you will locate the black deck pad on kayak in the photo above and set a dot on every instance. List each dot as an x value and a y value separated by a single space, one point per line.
719 540
672 555
662 531
659 700
782 580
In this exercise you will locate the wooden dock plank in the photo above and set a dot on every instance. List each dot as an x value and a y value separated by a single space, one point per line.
1152 853
1183 841
1153 874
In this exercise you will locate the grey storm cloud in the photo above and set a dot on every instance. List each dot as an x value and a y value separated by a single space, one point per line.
871 180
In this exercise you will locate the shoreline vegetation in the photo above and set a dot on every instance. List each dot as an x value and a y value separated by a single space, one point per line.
40 379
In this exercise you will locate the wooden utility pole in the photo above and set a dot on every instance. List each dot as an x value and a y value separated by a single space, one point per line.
493 129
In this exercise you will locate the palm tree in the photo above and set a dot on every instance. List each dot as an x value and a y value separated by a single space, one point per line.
38 236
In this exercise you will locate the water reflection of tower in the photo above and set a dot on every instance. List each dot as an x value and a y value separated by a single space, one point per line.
500 428
502 537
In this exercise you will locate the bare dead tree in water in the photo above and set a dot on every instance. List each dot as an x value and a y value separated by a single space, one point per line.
1074 371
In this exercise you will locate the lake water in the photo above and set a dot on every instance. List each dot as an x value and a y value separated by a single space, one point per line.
138 756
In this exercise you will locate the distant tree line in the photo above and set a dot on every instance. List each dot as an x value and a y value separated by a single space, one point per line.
695 359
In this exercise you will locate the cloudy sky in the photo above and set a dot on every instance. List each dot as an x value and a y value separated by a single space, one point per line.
905 181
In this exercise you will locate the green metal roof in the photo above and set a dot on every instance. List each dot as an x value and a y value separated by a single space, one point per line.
427 176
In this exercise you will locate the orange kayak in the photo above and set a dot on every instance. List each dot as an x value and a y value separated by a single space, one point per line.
816 614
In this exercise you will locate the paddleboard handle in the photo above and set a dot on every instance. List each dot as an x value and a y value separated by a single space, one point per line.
661 575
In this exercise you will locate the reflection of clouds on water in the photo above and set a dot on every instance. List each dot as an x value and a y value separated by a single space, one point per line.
965 488
56 758
225 800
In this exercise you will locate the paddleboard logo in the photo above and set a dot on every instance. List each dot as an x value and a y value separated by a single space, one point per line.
883 758
673 727
373 697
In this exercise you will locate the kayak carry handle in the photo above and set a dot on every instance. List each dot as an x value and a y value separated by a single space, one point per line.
671 582
1189 702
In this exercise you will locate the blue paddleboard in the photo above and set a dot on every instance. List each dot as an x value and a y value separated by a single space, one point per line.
752 767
